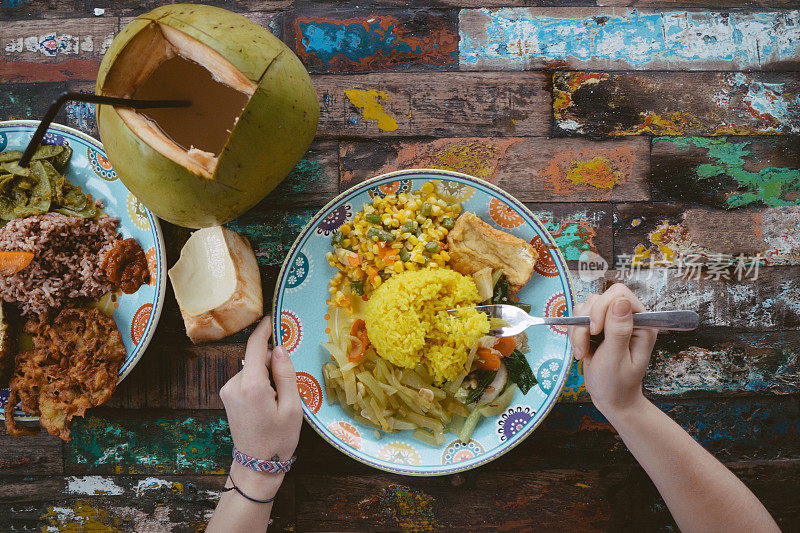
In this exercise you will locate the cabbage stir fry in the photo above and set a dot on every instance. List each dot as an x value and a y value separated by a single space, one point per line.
376 393
41 187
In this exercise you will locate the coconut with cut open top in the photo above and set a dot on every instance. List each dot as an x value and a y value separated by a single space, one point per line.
254 112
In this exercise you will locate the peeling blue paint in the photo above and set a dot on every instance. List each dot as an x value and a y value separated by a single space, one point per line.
374 42
82 116
517 38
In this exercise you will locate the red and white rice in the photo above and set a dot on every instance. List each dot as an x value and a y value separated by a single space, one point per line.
67 260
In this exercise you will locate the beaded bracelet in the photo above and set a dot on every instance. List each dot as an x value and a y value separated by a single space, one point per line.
258 465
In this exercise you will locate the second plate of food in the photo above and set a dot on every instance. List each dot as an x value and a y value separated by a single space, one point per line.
387 376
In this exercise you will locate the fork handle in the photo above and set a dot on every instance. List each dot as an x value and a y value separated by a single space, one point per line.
664 320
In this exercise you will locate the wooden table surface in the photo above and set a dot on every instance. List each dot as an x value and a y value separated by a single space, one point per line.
653 127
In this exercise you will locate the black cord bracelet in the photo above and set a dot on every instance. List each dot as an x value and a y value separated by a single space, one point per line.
237 489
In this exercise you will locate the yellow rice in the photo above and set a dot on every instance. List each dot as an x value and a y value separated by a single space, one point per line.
407 321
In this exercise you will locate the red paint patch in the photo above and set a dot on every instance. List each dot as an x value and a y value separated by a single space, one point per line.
545 265
310 391
139 322
30 72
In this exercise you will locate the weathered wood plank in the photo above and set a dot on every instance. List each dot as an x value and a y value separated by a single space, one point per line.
54 50
666 232
673 103
37 455
727 172
532 169
364 40
722 361
613 39
433 104
769 302
45 9
314 181
136 442
618 499
121 503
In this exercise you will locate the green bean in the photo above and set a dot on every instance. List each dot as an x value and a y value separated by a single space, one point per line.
409 227
385 236
357 287
448 223
374 233
372 217
404 255
426 209
337 238
432 247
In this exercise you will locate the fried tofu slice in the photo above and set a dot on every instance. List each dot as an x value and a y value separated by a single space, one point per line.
473 244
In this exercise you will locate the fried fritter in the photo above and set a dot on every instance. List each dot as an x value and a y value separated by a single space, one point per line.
6 352
73 366
473 244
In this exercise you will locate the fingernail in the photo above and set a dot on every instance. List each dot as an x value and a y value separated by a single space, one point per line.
622 307
279 352
577 353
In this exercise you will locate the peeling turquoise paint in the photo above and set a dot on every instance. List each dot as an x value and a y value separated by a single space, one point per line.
772 186
369 43
515 38
172 445
272 232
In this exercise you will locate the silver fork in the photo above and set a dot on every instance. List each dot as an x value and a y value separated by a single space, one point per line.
516 320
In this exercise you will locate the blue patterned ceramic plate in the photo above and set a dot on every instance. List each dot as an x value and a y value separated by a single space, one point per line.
300 310
136 314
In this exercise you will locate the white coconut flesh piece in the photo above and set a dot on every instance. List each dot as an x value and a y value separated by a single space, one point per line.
161 62
217 284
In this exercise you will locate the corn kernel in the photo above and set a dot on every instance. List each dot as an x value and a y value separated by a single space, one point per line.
398 266
345 229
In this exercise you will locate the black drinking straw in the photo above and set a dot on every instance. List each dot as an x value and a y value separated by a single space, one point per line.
55 107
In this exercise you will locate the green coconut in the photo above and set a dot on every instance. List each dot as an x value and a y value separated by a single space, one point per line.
193 187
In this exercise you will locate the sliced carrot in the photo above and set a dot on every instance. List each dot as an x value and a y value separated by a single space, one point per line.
505 345
488 359
13 262
359 331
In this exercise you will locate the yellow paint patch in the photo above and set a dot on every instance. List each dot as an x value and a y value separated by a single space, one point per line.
83 517
597 172
574 171
368 101
474 156
667 243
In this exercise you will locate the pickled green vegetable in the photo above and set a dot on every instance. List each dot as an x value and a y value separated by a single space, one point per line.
448 223
432 247
373 218
41 187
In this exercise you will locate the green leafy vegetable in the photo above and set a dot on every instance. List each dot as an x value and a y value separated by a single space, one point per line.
519 371
501 295
484 379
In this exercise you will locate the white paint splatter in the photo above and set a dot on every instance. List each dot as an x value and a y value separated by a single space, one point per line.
92 485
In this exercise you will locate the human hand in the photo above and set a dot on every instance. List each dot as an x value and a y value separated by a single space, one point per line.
264 422
613 371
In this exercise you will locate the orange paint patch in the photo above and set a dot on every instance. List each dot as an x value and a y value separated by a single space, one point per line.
597 169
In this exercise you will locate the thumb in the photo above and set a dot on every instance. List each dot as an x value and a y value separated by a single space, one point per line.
285 379
618 325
